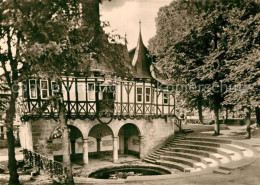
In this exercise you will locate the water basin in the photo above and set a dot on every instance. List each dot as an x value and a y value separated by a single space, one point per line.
122 172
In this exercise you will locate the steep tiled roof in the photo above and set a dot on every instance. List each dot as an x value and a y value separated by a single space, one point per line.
140 60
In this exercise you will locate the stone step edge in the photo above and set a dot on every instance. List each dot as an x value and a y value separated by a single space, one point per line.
181 161
199 157
221 171
181 167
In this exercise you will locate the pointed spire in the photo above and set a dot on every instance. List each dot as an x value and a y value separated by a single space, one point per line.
125 39
140 60
140 39
140 26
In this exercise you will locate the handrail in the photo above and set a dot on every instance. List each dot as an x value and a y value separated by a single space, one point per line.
178 121
42 162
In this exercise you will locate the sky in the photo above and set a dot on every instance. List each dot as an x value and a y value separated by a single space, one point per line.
124 16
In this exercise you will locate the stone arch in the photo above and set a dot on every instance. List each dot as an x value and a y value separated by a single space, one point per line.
133 124
69 126
129 139
100 139
75 138
102 129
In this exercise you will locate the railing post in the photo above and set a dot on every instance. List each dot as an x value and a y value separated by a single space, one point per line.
42 162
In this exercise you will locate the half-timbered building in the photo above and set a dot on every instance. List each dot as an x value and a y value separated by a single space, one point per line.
107 113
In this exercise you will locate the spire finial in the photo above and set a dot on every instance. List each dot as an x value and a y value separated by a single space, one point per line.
140 24
125 39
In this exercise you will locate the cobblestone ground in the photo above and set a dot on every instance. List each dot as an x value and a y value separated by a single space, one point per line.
248 175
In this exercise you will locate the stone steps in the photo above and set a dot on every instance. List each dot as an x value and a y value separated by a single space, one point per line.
197 147
153 155
184 155
206 139
221 171
149 161
205 160
178 166
185 161
191 154
210 144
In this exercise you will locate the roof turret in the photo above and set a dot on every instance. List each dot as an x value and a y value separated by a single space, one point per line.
140 60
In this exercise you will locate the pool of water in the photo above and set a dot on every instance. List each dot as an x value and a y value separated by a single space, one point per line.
122 172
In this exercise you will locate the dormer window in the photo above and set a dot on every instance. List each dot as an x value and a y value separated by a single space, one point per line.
44 89
139 94
33 89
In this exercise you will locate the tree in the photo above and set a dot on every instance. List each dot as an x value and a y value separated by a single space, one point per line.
84 47
219 28
202 57
20 23
244 59
173 23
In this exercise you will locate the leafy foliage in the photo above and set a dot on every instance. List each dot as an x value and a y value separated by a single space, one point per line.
27 30
218 50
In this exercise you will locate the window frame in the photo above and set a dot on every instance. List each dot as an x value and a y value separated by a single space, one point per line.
47 89
166 98
150 94
88 83
52 89
141 95
30 89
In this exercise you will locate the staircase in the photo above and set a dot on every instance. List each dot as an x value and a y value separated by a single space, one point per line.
193 154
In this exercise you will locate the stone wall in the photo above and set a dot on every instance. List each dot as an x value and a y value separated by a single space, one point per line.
35 135
153 132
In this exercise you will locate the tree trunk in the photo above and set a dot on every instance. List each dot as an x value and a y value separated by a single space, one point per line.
216 108
248 123
12 166
216 118
257 113
200 111
65 145
226 120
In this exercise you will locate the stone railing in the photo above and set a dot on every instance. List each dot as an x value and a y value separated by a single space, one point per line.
40 162
178 123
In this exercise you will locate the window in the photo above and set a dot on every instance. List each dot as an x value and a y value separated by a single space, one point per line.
54 88
139 94
44 89
24 90
148 95
91 92
33 89
165 98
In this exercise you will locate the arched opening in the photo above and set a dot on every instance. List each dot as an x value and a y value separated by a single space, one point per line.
76 143
129 142
100 141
